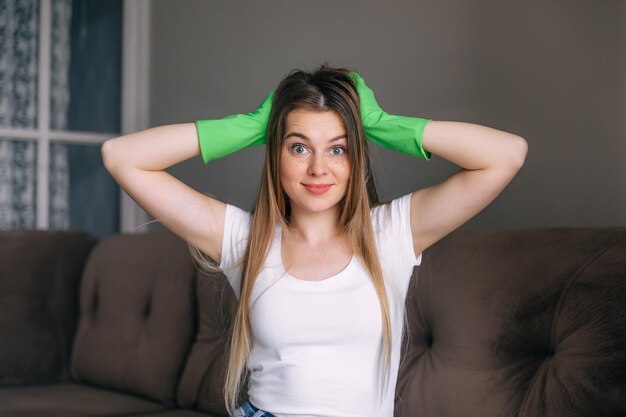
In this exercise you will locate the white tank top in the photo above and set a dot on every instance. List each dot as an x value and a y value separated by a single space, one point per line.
316 343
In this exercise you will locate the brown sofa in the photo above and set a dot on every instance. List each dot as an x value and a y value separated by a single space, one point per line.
502 323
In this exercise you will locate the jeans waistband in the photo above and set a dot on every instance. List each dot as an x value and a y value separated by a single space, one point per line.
252 411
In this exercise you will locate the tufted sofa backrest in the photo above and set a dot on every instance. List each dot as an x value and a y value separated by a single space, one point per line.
202 382
501 323
137 316
40 272
517 323
152 324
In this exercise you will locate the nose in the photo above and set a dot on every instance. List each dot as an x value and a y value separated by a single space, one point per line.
317 165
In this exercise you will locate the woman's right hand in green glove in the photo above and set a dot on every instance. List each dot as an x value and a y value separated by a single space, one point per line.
221 137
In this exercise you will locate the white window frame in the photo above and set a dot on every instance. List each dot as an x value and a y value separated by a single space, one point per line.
134 109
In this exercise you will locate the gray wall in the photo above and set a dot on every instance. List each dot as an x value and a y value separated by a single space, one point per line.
551 72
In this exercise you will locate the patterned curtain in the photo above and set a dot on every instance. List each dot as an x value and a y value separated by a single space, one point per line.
19 51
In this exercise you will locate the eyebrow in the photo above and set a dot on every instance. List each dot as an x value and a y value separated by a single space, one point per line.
304 137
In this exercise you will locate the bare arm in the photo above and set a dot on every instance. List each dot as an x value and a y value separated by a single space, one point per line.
472 146
489 158
137 162
153 149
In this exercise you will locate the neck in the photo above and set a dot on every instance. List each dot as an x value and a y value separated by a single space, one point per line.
314 228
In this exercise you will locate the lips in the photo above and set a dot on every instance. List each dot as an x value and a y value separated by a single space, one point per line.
317 188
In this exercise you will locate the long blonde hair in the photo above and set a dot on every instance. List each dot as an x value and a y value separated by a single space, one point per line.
324 89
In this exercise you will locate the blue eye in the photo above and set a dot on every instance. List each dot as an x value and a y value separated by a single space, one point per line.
299 145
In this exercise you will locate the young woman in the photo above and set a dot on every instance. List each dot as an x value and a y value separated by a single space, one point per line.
320 266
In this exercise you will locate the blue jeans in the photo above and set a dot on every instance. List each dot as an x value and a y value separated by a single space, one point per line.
248 410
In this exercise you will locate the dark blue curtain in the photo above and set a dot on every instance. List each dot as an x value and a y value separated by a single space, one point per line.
95 106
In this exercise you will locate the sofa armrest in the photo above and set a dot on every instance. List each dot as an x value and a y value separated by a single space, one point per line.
39 278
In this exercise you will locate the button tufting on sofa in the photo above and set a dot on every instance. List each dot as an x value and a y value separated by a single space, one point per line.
146 310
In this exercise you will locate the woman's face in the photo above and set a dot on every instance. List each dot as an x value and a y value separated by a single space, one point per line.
314 152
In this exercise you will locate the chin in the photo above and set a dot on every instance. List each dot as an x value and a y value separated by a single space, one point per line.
321 202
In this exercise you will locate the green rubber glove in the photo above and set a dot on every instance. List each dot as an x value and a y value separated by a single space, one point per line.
399 133
221 137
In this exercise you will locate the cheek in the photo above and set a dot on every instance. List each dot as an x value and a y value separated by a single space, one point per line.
344 169
289 168
293 164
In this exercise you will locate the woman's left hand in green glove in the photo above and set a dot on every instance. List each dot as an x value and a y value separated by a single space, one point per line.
399 133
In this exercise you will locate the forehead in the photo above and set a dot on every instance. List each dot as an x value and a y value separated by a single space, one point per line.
304 120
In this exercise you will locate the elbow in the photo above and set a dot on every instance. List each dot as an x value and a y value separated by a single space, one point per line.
107 153
519 152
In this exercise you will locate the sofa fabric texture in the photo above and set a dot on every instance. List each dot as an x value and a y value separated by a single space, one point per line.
528 322
40 275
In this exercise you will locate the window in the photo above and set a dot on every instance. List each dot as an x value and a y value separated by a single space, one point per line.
61 67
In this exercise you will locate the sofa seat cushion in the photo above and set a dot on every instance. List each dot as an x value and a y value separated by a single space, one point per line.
70 400
176 413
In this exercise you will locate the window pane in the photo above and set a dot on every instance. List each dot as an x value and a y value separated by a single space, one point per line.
90 72
83 195
85 91
60 55
18 184
19 53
